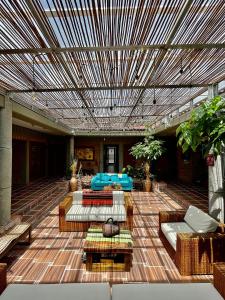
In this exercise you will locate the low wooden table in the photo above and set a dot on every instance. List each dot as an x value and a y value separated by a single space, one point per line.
108 254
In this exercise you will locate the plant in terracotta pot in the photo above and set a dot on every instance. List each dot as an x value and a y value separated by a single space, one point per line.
73 180
148 150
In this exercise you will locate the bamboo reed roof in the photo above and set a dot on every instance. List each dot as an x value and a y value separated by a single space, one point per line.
110 64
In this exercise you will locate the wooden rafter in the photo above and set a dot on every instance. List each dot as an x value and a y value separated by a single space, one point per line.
112 48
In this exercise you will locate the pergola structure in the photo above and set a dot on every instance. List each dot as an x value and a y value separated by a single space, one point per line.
107 64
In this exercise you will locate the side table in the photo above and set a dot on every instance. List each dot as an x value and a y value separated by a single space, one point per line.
219 277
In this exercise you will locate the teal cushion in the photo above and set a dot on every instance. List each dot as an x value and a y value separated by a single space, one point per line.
105 177
124 176
115 178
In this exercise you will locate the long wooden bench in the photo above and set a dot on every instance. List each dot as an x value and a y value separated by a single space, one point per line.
13 236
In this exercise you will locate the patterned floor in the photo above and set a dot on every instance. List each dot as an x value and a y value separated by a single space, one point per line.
55 257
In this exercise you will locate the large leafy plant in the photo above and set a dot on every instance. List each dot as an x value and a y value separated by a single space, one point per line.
205 128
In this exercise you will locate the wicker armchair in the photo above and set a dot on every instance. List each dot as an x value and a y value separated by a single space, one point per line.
195 252
83 226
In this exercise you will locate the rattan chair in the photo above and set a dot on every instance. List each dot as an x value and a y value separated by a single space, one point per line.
195 252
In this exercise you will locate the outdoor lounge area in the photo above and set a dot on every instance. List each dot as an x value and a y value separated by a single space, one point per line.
112 149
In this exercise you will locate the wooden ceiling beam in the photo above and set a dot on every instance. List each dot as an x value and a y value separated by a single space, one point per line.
112 48
104 88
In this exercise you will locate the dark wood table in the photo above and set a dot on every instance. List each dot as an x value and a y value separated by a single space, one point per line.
108 254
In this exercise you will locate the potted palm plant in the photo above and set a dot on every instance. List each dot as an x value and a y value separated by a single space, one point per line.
148 150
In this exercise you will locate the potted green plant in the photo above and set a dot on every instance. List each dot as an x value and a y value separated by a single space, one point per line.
148 150
205 128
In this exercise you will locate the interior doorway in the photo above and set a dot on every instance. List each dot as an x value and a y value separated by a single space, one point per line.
111 159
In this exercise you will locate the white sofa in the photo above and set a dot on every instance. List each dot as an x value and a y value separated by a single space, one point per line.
73 216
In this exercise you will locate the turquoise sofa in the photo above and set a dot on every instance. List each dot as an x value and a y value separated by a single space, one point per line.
103 179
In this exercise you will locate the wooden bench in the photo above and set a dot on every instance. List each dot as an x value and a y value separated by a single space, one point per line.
13 236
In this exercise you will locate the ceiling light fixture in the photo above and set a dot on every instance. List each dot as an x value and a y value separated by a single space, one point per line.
154 99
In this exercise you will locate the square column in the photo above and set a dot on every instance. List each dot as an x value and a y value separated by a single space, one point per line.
5 161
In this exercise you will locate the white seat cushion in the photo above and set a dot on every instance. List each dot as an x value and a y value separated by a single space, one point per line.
199 220
118 197
68 291
170 231
78 213
165 291
117 212
77 197
81 213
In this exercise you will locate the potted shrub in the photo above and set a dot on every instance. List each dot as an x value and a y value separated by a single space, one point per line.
148 150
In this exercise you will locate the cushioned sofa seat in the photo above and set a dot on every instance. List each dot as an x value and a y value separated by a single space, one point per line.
81 213
170 231
165 291
68 291
95 213
117 212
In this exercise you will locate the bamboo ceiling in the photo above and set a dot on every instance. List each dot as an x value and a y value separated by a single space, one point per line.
110 64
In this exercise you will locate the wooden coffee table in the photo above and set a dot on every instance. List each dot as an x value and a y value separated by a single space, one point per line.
108 254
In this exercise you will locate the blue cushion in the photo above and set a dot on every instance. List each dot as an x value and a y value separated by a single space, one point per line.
124 182
124 176
115 178
105 177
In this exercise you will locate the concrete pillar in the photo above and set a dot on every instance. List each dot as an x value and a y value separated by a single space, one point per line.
120 157
27 162
70 151
216 177
5 161
101 157
71 148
